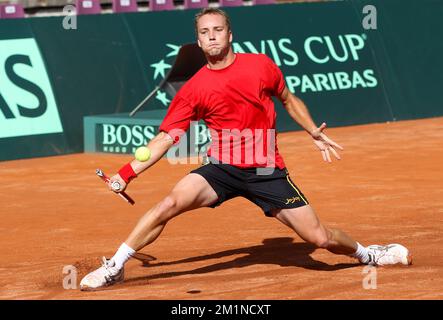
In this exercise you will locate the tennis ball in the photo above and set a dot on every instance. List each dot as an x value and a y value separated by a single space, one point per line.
142 154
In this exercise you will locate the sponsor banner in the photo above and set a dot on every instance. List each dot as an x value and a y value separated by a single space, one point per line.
124 135
122 138
27 103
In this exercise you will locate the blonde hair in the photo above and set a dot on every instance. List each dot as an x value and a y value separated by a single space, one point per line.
206 11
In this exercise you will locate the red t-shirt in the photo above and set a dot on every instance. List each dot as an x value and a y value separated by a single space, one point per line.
235 102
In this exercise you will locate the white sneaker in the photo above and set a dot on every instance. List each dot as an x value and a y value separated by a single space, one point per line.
388 255
104 276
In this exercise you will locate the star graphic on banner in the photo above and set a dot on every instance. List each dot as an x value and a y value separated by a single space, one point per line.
160 68
174 48
162 97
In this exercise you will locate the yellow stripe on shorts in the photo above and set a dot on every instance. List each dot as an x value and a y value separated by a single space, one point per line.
295 188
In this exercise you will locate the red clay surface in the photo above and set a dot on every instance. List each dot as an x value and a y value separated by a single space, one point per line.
387 189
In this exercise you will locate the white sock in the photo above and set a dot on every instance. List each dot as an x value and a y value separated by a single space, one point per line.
361 254
122 255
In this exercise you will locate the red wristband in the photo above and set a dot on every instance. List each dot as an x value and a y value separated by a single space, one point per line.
127 173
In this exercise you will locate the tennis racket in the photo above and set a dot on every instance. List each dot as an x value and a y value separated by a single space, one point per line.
116 186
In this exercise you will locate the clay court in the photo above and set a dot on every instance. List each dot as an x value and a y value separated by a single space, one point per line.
386 189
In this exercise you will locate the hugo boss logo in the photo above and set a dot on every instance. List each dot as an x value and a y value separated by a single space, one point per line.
124 135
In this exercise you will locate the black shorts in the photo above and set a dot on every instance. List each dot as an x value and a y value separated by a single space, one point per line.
268 191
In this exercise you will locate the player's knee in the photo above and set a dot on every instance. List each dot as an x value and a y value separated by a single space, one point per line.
169 203
167 206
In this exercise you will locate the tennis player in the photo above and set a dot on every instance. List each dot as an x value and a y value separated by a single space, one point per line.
232 94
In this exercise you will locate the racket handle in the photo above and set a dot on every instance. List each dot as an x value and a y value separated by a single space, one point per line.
122 194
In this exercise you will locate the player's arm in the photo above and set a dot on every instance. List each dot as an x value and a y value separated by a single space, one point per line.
300 113
158 146
176 122
297 110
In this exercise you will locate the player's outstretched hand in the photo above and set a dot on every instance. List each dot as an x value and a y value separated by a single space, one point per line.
325 144
116 184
